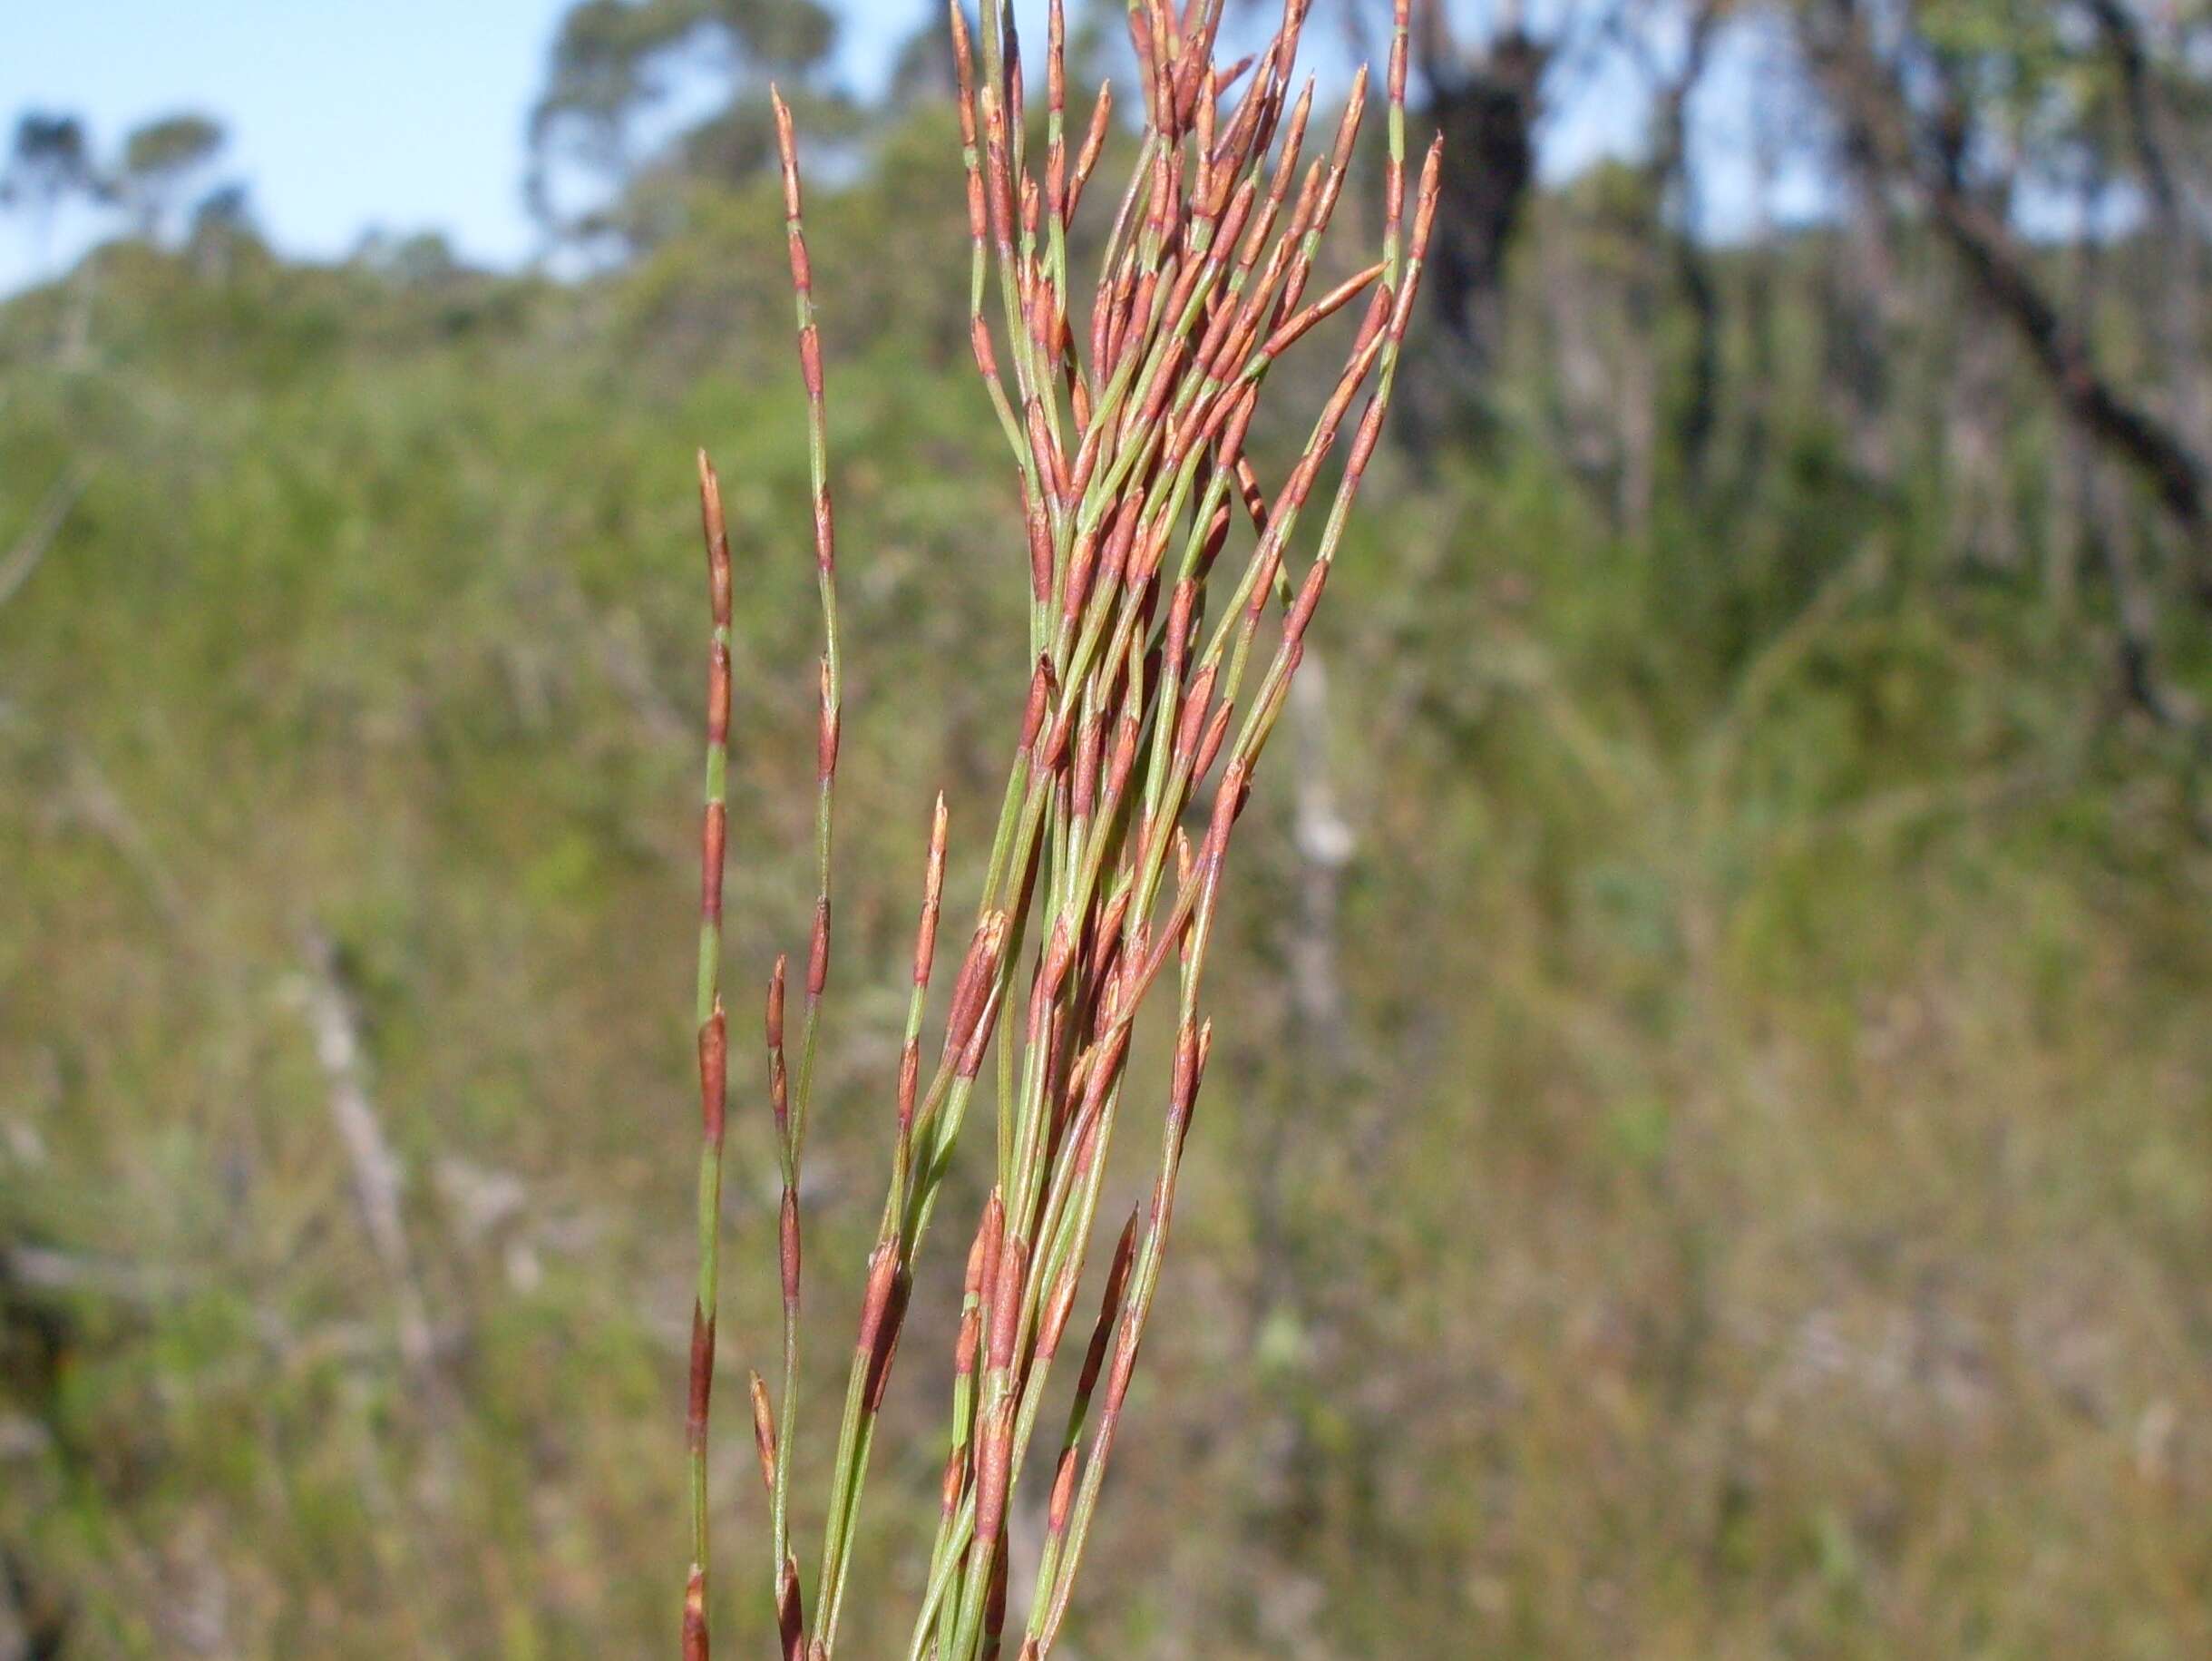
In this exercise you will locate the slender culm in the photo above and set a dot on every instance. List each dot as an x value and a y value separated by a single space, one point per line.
713 1045
1126 412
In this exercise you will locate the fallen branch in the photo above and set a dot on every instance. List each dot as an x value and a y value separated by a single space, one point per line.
377 1177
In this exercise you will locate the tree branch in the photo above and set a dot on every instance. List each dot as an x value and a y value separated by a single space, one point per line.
1881 126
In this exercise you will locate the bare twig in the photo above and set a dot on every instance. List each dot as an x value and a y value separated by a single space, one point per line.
46 525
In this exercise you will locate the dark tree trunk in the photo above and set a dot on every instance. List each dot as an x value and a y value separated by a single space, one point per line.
1485 105
1672 181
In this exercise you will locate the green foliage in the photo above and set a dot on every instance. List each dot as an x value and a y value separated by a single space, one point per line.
159 157
49 161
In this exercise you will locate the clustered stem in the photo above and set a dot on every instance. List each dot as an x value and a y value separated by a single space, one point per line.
1128 439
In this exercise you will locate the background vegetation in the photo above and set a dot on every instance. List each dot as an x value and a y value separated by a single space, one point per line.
1710 1151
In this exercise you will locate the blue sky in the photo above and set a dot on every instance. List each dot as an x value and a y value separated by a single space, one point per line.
344 114
403 115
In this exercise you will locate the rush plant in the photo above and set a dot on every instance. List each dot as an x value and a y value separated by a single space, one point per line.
1160 671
